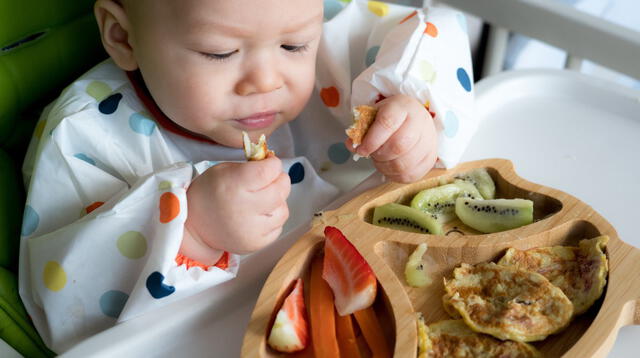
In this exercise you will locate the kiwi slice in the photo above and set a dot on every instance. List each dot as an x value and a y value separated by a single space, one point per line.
441 200
494 215
482 180
406 218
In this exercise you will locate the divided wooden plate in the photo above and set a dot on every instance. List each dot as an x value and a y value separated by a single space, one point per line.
559 219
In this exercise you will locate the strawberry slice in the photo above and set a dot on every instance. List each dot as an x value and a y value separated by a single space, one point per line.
348 274
289 332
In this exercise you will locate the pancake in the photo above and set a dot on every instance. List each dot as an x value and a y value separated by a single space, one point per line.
363 116
508 303
452 338
580 272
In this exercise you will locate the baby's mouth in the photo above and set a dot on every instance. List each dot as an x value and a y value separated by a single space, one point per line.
257 120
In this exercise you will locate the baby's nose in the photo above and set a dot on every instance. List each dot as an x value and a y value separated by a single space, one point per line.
261 79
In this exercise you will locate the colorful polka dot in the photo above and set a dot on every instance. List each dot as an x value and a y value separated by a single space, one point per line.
296 173
93 206
30 221
331 9
462 21
414 13
98 90
53 276
110 104
169 207
379 8
330 96
371 55
132 245
112 302
450 124
142 124
165 185
37 132
431 30
463 78
426 71
338 153
85 158
157 289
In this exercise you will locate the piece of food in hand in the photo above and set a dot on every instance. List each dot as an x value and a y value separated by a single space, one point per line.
363 116
414 271
441 200
348 274
255 151
580 272
289 332
481 178
495 215
508 303
406 218
452 338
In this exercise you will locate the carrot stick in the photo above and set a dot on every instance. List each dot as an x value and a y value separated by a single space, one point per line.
323 327
372 332
346 337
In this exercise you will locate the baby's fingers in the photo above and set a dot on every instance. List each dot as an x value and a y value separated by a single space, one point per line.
257 175
402 142
272 196
391 115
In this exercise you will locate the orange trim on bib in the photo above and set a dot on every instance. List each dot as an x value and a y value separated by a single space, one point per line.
223 262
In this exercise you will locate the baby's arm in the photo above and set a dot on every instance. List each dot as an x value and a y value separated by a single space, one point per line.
235 207
402 140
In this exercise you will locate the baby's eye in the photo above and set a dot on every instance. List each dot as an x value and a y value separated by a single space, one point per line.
294 48
218 56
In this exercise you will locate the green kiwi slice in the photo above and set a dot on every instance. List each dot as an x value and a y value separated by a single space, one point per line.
441 200
406 218
482 180
495 215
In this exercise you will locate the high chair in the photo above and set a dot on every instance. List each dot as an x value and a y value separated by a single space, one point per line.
44 45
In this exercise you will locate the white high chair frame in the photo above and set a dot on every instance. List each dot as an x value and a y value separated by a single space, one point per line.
583 36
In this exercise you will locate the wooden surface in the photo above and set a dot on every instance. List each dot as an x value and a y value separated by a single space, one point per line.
559 219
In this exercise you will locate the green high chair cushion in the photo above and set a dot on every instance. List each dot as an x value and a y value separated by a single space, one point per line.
11 206
44 45
15 327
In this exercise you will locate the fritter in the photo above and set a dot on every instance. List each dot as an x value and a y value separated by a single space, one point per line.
580 272
507 302
452 338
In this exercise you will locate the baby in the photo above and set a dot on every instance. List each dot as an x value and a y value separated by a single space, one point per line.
140 194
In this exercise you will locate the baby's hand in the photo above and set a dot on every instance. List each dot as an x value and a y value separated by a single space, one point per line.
402 141
236 207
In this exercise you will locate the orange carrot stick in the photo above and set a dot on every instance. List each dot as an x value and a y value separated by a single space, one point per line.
372 332
346 337
323 327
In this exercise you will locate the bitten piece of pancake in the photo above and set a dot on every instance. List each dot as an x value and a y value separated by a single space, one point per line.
257 151
363 116
580 272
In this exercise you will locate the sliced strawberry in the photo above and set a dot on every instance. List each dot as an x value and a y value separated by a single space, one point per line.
348 274
289 332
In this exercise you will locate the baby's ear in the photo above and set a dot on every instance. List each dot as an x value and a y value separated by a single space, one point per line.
115 32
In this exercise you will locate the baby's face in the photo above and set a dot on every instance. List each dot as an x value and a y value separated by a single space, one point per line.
218 67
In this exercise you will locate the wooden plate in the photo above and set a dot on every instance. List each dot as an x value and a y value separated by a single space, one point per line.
559 219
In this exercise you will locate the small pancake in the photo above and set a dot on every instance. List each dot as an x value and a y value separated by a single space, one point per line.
256 151
363 116
580 272
452 338
508 303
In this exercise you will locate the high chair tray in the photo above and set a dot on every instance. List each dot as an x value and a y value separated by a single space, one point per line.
559 129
